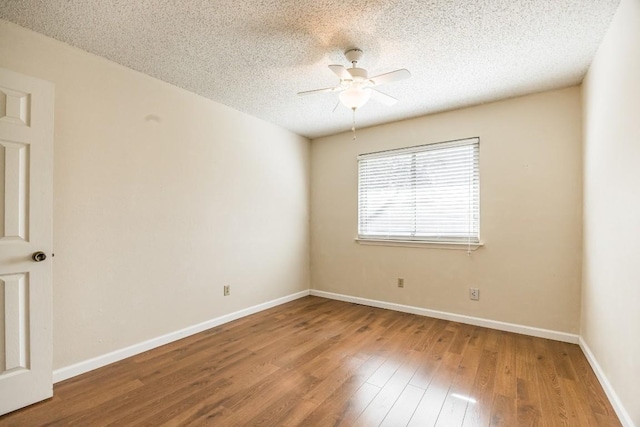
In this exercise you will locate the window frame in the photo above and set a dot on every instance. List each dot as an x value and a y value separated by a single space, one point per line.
469 242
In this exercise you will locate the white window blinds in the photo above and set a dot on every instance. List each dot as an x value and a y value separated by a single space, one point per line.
429 193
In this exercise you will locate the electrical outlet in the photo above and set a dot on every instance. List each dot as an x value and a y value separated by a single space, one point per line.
400 282
227 290
474 294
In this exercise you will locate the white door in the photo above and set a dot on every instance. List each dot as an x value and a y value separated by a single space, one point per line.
26 173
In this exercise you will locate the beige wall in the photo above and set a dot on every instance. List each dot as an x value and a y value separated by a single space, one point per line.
160 198
528 271
611 285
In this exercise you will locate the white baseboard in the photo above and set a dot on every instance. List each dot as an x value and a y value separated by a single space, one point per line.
622 413
476 321
106 359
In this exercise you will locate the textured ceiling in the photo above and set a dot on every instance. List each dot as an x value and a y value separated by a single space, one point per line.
255 55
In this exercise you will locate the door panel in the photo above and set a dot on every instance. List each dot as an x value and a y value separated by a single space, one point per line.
15 290
14 158
26 161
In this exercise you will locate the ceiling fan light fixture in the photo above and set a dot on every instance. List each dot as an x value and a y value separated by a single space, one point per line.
355 86
354 97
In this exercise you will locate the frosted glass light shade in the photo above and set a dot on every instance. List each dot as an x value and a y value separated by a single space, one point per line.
354 97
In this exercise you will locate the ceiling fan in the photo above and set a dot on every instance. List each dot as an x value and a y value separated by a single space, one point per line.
356 87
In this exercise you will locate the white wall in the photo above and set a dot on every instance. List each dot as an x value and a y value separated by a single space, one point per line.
611 284
160 198
529 270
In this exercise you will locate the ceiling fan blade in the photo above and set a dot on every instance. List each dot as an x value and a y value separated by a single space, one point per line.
326 89
390 77
341 72
383 98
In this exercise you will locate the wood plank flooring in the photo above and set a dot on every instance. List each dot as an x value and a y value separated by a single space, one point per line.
318 362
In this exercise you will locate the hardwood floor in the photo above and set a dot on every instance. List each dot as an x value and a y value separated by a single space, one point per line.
318 362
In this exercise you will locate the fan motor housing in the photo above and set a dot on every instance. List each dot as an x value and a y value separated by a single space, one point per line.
358 74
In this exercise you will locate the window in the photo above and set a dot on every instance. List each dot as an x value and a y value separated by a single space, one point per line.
426 193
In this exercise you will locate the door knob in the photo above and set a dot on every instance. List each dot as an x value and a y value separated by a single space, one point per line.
39 256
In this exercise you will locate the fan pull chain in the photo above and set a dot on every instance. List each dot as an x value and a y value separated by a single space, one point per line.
353 126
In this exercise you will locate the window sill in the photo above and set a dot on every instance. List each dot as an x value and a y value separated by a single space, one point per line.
460 246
